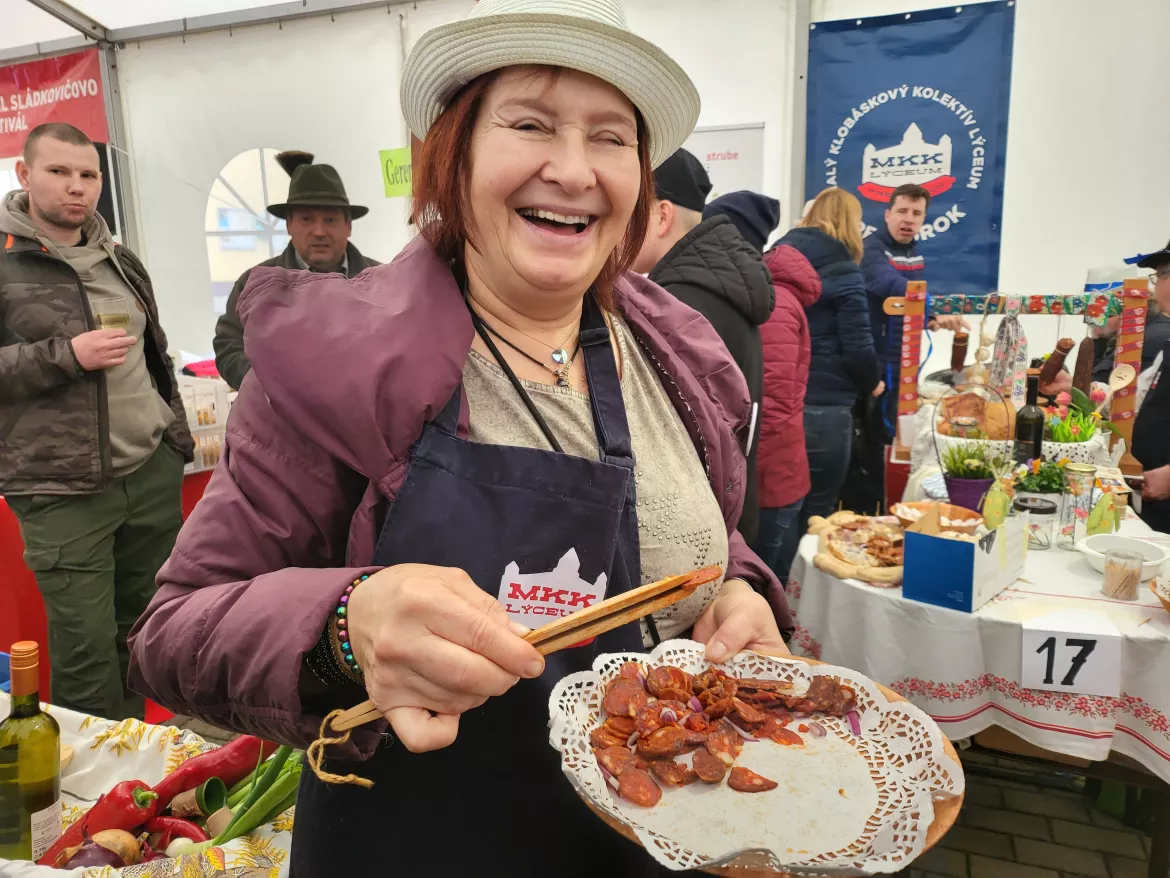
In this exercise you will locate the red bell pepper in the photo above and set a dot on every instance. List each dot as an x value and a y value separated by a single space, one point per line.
229 763
127 806
175 827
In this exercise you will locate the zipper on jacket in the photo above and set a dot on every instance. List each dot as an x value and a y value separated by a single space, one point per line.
103 395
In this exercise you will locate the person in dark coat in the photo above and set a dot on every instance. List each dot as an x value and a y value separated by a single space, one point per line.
1152 425
1156 335
707 264
319 220
844 366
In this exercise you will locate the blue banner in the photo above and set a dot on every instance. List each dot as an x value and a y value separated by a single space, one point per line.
918 98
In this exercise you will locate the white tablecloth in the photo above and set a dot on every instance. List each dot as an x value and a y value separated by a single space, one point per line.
964 669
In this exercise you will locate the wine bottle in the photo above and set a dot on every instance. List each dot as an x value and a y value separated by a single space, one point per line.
1029 442
30 765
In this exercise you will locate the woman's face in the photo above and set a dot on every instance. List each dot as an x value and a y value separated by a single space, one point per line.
554 181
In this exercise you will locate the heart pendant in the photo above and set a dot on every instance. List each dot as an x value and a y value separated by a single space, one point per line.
560 356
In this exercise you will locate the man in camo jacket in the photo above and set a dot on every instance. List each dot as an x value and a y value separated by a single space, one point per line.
93 435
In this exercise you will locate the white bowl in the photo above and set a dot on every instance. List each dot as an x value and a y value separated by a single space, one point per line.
1094 549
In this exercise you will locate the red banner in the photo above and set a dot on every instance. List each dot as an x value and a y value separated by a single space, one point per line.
64 89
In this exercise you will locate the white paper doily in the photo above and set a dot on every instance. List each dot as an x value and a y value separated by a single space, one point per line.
844 805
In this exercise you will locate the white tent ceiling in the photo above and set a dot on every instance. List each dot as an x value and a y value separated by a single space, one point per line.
25 26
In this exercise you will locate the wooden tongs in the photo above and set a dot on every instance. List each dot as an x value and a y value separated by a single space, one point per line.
580 626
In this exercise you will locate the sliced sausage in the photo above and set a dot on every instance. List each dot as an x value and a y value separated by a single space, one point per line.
657 714
631 671
671 773
746 781
624 698
618 760
639 787
666 677
710 769
667 741
724 743
603 737
748 715
620 725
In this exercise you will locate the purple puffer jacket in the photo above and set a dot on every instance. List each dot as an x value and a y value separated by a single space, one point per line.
345 374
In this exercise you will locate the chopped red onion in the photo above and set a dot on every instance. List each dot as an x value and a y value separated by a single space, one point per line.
816 730
612 781
605 771
742 733
642 679
668 715
632 740
800 714
696 704
854 722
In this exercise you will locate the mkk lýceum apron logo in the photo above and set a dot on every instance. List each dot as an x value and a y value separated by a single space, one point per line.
535 599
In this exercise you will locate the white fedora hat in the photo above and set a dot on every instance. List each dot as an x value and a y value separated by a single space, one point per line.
586 35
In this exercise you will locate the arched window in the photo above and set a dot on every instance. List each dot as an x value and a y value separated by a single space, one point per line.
241 233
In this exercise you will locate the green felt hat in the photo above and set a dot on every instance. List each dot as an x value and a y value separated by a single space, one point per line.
312 186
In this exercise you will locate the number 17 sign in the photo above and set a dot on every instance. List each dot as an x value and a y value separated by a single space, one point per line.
1072 651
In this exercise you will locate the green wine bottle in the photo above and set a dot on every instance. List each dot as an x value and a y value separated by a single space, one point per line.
30 765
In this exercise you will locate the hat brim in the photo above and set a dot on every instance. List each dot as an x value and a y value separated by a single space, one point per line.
281 211
1154 260
448 57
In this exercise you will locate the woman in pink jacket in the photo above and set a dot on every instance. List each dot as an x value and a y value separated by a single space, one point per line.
782 464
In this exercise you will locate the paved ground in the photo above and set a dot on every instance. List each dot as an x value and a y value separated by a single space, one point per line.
1032 826
1014 824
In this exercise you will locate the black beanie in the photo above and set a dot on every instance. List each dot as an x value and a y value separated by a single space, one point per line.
756 216
683 180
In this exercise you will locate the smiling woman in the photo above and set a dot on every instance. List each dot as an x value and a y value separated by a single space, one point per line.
505 396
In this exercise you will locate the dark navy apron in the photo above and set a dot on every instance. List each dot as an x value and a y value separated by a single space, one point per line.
496 802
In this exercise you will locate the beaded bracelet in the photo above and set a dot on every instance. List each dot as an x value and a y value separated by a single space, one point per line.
342 622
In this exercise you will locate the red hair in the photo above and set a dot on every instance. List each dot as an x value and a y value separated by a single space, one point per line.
442 188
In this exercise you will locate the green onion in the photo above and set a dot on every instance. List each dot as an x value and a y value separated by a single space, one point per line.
259 788
275 797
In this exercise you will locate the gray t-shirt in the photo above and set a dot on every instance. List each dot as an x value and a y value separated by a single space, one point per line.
680 524
138 416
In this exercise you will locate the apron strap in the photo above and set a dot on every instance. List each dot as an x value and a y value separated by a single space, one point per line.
448 419
605 391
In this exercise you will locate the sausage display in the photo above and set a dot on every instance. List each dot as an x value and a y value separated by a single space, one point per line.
664 727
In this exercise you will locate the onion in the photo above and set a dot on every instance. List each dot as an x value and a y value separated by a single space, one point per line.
816 730
90 854
632 740
854 722
612 781
642 679
695 704
742 733
605 771
668 715
800 714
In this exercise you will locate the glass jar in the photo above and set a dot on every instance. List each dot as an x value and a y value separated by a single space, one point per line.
1122 575
1042 520
1079 484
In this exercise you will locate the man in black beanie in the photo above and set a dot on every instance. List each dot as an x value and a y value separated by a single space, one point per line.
708 265
755 216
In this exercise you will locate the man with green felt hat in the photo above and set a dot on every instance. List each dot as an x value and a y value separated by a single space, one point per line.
319 220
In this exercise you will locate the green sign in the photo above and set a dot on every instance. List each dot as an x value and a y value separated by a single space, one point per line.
396 171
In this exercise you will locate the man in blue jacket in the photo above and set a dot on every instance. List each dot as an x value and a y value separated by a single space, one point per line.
891 260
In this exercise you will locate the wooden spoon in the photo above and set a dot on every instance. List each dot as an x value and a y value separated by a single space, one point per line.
1122 376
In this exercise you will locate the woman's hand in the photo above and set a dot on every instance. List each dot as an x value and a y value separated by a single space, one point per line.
432 645
739 619
1157 483
879 390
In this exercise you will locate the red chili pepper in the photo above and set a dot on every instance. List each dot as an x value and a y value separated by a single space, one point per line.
127 806
229 763
177 827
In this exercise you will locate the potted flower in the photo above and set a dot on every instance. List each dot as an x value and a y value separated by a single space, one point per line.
1040 478
969 470
1075 418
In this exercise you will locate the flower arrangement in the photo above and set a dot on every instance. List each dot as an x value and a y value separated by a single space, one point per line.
1040 476
972 460
1075 418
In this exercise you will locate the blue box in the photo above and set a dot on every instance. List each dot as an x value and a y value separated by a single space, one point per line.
962 575
5 677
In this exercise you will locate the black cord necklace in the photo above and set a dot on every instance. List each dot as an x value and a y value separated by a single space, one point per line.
561 375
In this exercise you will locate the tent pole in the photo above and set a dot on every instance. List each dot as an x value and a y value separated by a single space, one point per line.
121 165
62 11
